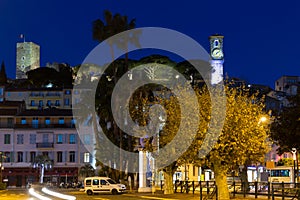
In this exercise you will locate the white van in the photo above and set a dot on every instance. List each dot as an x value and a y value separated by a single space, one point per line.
102 185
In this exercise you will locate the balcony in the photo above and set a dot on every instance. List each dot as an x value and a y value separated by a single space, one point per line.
45 145
65 125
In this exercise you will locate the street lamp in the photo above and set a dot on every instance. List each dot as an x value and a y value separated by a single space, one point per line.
1 166
296 168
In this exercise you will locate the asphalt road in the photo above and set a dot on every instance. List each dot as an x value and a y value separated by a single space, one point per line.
23 194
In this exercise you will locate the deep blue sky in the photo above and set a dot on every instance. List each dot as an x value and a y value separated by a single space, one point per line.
261 37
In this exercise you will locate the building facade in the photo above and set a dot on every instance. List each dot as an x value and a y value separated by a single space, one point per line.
27 133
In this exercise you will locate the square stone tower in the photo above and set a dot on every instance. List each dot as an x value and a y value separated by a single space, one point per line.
28 58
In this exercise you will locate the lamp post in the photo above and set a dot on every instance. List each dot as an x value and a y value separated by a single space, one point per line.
294 152
1 166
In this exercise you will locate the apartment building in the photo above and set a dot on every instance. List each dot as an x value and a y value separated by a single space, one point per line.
26 133
40 98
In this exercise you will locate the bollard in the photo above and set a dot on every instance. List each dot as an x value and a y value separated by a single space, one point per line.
282 187
269 190
273 192
233 189
255 185
200 190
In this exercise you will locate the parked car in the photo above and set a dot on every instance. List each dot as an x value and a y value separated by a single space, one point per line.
96 184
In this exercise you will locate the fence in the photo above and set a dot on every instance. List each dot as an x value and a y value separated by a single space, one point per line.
209 189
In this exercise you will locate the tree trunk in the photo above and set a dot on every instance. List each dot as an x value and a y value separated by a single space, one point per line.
168 178
221 182
244 179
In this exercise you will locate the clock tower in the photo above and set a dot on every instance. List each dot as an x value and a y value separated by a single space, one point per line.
217 58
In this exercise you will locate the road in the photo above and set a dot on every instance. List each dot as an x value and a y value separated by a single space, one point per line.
23 194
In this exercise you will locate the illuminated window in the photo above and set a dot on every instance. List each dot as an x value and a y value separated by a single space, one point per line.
61 120
59 139
47 121
86 157
72 139
23 121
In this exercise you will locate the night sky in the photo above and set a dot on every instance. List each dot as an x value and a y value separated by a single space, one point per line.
261 37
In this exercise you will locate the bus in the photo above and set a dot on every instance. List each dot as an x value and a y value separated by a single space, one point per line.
281 174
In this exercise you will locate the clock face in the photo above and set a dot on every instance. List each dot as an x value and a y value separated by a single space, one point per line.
217 54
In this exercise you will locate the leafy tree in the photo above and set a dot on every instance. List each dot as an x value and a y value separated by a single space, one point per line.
243 137
285 129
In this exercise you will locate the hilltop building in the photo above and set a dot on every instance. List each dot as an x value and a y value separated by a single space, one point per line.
28 58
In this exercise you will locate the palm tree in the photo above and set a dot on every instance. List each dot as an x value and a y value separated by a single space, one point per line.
104 30
86 171
42 162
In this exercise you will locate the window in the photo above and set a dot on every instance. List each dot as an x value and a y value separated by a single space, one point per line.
59 139
35 122
32 103
23 121
45 137
73 121
10 122
32 156
67 91
20 156
41 103
103 182
32 139
6 156
95 181
72 139
67 102
88 182
61 120
87 139
86 157
20 138
7 139
57 103
49 103
72 156
59 156
47 121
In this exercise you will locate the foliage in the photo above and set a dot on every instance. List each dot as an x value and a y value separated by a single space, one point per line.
42 76
86 171
285 162
285 129
2 186
243 136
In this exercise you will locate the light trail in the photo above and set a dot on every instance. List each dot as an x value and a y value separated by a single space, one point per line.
57 194
37 195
